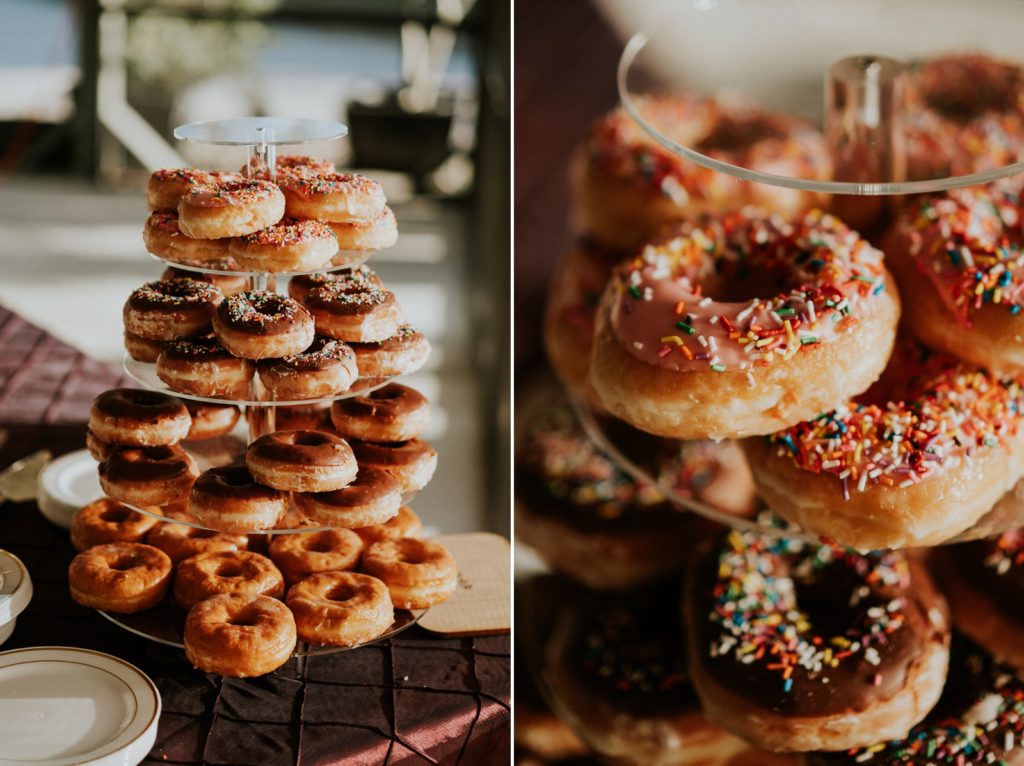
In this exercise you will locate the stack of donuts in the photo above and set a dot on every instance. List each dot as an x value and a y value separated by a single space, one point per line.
875 385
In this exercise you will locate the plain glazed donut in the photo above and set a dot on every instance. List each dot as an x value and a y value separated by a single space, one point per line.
228 284
626 187
412 462
137 417
917 460
177 308
401 354
164 239
330 550
373 498
419 573
209 574
144 476
182 541
119 577
364 316
289 245
301 461
332 196
210 421
229 499
405 523
203 367
358 278
263 325
394 413
230 209
359 237
142 349
960 255
671 359
327 367
108 521
166 187
340 608
239 636
800 647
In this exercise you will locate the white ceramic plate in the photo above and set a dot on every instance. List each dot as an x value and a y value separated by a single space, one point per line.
62 706
66 484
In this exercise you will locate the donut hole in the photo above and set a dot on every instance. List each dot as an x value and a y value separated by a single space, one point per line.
235 476
201 534
341 593
312 439
123 563
388 392
229 569
734 133
741 281
243 620
319 545
116 515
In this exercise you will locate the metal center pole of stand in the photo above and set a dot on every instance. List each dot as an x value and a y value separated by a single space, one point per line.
865 100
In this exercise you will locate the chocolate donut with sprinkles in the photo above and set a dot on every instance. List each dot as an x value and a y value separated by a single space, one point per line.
978 720
799 647
260 324
960 253
984 582
916 460
684 349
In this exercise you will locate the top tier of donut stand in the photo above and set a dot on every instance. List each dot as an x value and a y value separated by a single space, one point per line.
842 65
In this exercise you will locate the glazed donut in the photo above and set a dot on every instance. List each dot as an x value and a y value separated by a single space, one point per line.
412 462
358 278
228 284
574 291
181 541
977 720
419 573
211 420
373 498
259 324
368 315
626 187
240 636
327 367
229 499
802 647
119 577
401 354
178 308
137 417
304 417
332 196
965 114
164 239
591 521
289 163
340 608
358 237
166 187
301 461
242 572
394 413
145 476
963 246
203 367
230 209
108 521
99 449
290 245
917 460
141 349
330 550
671 359
405 523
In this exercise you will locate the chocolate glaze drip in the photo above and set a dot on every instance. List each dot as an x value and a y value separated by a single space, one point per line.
137 403
386 405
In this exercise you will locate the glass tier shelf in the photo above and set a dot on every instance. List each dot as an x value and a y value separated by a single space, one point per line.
252 131
345 259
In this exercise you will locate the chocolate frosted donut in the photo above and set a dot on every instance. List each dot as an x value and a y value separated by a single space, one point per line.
171 309
137 417
211 420
393 413
803 647
142 349
229 284
148 475
402 353
412 462
263 325
373 498
302 461
326 368
230 499
368 315
357 278
203 367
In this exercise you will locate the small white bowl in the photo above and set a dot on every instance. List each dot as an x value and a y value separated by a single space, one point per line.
15 592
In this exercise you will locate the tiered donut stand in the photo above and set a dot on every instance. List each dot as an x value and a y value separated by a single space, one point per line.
861 119
260 138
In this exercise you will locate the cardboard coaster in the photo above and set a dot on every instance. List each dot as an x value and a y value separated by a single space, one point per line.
482 604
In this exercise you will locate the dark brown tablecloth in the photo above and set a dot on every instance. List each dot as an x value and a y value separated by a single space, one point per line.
415 699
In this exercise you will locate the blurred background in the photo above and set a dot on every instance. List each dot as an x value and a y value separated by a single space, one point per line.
92 89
